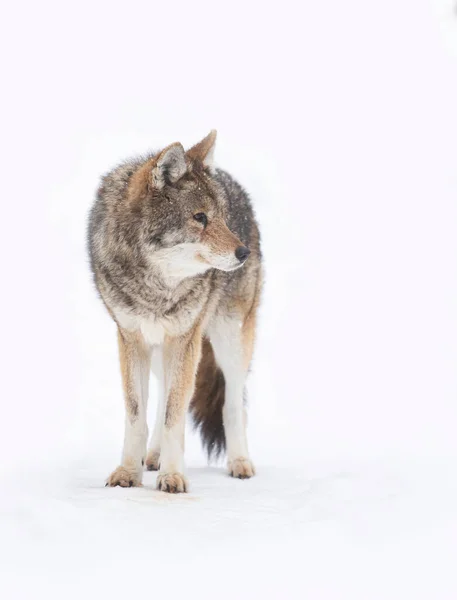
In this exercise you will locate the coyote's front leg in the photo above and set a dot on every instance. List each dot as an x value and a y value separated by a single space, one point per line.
135 362
181 358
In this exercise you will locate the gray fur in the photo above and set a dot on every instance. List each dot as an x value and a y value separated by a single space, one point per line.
153 261
120 239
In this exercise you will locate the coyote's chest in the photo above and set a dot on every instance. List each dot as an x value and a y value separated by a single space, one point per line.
155 327
167 313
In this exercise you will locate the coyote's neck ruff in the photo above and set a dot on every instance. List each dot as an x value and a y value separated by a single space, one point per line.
175 253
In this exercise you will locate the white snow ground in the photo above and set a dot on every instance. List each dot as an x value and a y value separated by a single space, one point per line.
321 530
340 119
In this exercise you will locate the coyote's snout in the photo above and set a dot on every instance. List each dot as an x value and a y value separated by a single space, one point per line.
221 249
167 236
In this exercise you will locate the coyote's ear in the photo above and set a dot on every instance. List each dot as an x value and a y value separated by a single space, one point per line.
204 150
169 166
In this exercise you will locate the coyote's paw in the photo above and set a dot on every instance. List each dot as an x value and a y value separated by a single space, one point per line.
173 483
153 460
124 477
241 468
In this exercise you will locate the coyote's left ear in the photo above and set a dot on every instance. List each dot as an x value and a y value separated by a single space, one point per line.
169 166
204 150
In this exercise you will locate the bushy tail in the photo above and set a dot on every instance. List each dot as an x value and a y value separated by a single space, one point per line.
207 402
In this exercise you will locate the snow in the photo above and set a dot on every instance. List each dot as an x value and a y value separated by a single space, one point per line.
337 530
340 120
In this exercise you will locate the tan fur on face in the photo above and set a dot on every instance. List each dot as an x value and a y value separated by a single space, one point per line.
219 239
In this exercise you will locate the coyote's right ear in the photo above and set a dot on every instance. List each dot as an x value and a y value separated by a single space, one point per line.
169 166
204 150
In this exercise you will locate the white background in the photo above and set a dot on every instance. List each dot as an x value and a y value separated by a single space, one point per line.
340 119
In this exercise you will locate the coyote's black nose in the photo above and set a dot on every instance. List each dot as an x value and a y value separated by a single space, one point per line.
242 253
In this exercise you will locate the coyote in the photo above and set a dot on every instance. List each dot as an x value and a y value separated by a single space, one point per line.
175 253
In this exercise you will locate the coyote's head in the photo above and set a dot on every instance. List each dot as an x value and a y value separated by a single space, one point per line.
182 212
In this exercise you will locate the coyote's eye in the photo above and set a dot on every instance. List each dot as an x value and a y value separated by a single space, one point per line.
201 218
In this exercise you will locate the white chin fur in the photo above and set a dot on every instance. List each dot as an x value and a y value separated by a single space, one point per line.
228 269
182 260
224 263
179 262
